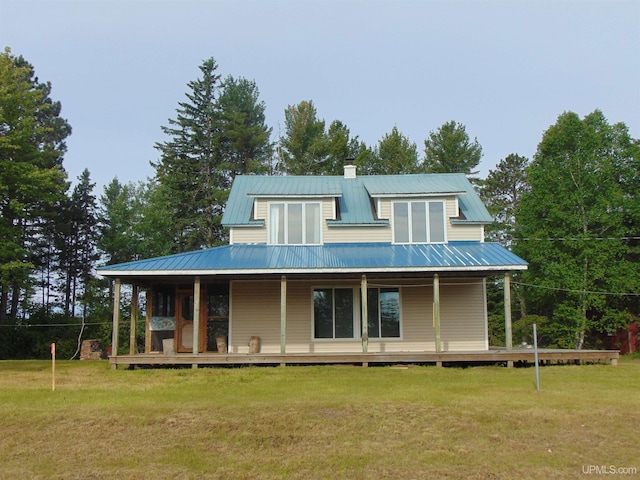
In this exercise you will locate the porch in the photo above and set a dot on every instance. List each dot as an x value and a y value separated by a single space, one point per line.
493 356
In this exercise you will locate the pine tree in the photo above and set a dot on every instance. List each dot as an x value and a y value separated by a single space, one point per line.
32 179
450 150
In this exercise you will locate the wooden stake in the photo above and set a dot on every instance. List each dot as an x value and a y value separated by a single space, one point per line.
53 367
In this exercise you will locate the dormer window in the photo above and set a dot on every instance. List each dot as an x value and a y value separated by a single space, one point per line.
418 221
294 223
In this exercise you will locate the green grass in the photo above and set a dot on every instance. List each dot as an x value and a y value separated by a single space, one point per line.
315 422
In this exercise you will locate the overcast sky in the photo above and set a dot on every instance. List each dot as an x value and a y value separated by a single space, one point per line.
505 70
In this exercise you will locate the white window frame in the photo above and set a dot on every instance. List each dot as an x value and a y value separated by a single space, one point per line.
271 235
410 220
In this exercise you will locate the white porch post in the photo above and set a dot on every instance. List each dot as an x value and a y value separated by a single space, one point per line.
508 341
134 320
196 317
116 320
436 310
365 314
283 315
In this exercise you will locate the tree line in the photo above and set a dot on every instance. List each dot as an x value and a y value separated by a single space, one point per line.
572 212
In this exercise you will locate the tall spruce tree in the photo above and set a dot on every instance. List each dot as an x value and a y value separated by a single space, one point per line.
32 178
190 168
218 133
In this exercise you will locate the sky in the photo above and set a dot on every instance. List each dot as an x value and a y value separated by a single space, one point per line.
504 69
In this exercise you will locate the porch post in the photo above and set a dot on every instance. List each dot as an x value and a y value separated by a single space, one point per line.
196 317
283 315
365 314
508 341
436 310
116 320
133 320
147 333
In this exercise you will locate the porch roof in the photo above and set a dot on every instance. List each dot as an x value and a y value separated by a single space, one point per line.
338 258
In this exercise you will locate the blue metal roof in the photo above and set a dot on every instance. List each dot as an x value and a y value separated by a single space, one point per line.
353 195
242 259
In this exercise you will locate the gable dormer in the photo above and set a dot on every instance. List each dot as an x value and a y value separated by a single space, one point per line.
314 210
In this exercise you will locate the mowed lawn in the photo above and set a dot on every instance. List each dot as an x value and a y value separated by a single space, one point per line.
333 422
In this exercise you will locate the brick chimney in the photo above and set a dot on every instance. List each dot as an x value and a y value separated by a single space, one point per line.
349 168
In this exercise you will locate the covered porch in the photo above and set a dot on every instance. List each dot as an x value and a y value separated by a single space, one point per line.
215 299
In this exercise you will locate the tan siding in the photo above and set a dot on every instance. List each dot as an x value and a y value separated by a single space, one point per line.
249 235
255 310
357 234
464 232
463 324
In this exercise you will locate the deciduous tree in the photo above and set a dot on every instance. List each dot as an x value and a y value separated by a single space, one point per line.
575 226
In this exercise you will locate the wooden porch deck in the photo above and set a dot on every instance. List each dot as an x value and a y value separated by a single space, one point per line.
496 356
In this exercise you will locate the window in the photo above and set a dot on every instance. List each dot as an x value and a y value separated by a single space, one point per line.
383 307
333 313
217 315
294 223
418 222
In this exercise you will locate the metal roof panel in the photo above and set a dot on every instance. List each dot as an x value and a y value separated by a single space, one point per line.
338 257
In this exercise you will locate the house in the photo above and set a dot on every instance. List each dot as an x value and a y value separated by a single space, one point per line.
325 268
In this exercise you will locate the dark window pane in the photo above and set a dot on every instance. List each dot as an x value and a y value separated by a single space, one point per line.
323 313
390 312
372 307
187 308
344 312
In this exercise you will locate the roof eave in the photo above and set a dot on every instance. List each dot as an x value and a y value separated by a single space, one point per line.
281 271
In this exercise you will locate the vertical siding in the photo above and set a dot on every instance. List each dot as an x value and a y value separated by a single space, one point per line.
255 310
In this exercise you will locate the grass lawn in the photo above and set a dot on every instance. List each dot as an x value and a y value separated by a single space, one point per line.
318 422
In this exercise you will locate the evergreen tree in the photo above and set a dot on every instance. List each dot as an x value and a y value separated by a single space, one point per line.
449 150
303 149
246 146
32 179
396 155
77 235
501 192
190 169
340 147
